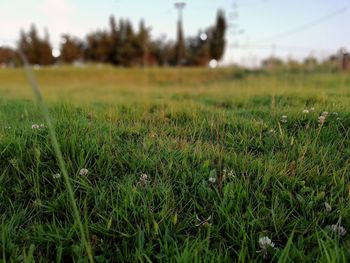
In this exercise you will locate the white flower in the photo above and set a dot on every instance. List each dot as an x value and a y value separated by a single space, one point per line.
338 229
37 126
83 171
283 119
306 111
203 222
321 119
212 180
144 179
312 109
56 176
325 113
265 243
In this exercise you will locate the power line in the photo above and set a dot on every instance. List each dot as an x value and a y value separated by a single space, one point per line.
304 26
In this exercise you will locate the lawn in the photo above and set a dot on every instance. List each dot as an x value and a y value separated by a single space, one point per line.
176 165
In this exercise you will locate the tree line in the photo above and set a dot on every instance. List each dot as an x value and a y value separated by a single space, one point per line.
121 45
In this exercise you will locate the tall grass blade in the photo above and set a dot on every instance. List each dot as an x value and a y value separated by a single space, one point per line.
36 89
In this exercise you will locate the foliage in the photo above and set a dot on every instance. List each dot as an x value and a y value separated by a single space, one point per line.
37 50
72 49
217 37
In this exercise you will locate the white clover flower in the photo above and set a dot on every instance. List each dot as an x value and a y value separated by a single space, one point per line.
204 222
284 119
56 176
306 111
325 113
312 109
212 180
35 126
83 171
265 243
321 119
144 179
338 229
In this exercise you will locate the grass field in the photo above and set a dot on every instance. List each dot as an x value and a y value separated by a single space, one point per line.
183 165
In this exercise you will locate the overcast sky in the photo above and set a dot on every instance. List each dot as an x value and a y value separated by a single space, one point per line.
287 28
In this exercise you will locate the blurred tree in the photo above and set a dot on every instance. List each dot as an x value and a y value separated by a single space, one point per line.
198 51
217 37
143 40
121 45
163 52
37 50
272 63
71 49
293 65
98 46
45 50
8 57
310 63
128 51
116 42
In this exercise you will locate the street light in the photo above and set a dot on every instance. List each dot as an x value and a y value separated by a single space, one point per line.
180 6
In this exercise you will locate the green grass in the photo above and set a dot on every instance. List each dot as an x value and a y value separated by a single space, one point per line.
179 127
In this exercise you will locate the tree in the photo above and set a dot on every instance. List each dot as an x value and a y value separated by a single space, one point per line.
163 52
8 57
310 63
129 45
71 49
143 40
98 47
45 50
217 37
198 51
114 56
120 45
37 50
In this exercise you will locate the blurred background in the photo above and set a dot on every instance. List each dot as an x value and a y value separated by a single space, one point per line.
250 33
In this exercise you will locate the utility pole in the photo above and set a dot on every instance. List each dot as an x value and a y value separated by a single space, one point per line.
180 48
235 29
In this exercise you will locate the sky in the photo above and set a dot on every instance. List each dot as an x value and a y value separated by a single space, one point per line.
258 28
